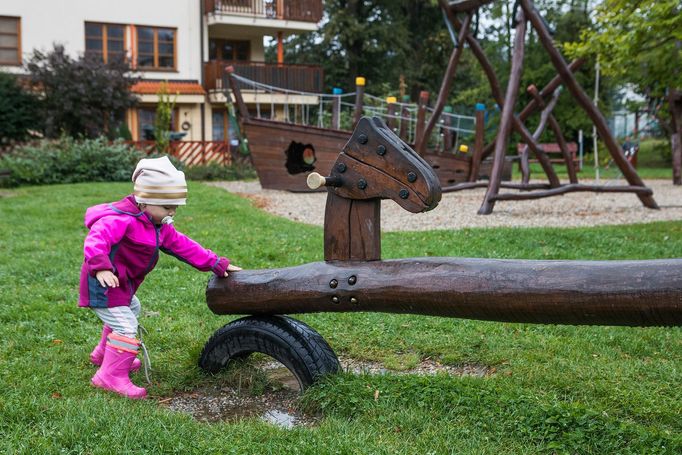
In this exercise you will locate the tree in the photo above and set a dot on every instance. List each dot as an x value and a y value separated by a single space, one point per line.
81 97
18 110
640 43
162 122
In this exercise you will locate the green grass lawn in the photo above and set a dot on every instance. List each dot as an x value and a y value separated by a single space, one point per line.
555 389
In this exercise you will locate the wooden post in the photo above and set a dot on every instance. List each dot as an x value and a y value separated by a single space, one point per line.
556 129
448 143
478 144
445 86
336 108
404 117
390 112
545 115
352 229
421 116
507 116
584 101
359 99
243 111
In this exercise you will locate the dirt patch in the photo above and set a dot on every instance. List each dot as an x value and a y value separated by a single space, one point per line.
260 202
426 367
266 390
6 194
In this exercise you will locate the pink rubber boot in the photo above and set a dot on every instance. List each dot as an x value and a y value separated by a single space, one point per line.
97 354
119 354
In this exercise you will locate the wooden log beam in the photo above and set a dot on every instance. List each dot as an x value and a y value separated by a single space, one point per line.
572 188
556 129
532 106
421 117
241 105
506 117
545 116
630 293
404 123
445 87
478 144
515 186
586 103
551 86
487 67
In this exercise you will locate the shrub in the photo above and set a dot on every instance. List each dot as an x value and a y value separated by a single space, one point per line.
69 161
81 97
18 110
215 171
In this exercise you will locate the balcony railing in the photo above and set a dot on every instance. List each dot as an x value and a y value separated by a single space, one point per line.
303 78
292 10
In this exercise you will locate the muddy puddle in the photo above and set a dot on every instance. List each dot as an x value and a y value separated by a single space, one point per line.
263 388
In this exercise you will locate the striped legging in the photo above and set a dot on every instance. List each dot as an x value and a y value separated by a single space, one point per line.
121 319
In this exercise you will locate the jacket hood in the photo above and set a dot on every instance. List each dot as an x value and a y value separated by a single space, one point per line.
125 207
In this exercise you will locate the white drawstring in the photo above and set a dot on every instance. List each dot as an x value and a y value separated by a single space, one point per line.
146 362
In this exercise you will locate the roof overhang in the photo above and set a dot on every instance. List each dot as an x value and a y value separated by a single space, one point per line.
148 91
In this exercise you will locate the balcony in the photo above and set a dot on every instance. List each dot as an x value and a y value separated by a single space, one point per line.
287 10
302 78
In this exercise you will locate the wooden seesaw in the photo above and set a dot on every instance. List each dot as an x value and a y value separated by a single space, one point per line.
375 164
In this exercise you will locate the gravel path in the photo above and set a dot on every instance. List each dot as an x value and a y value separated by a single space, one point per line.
458 210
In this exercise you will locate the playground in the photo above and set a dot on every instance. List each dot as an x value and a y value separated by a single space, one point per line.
398 290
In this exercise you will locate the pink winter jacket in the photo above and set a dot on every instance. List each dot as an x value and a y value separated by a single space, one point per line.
124 240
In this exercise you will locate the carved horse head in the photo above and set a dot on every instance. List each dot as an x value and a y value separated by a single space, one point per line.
375 164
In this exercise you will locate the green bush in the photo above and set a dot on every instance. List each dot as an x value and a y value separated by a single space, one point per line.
96 160
69 161
655 152
215 171
18 110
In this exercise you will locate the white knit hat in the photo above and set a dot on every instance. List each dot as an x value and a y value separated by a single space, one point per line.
157 182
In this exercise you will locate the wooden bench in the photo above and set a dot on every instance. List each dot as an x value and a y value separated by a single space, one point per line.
554 153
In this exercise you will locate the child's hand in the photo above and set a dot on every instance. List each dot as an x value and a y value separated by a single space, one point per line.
232 268
107 278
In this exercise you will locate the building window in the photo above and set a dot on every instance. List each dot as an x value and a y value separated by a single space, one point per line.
10 41
220 49
105 41
219 124
146 120
224 128
155 48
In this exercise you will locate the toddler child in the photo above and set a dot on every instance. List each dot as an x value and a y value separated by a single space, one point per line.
121 248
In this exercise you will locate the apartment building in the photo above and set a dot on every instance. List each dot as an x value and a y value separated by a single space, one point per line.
184 43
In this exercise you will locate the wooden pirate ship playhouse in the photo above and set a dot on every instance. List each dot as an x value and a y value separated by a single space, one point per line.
291 140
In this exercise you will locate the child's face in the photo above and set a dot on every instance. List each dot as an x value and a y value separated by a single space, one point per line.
158 212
